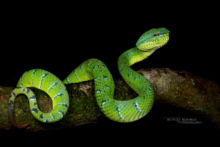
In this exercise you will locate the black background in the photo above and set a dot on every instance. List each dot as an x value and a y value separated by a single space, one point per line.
59 39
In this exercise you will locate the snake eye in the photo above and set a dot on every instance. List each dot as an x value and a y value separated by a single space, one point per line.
155 34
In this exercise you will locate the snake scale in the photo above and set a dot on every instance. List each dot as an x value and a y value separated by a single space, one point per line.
116 110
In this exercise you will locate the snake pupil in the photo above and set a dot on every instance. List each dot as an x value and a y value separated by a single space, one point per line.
155 34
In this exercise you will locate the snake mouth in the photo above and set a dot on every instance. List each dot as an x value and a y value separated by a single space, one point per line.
149 50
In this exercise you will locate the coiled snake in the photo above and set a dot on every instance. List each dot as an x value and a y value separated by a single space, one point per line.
116 110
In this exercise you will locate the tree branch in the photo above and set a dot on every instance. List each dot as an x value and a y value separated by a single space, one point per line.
178 88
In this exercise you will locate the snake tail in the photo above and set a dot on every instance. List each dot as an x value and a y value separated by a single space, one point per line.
50 84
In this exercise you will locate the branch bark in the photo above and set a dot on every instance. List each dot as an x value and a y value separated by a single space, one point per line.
178 88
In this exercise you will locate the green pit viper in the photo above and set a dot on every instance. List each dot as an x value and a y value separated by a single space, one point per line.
116 110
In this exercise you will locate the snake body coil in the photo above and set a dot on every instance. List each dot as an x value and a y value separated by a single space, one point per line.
116 110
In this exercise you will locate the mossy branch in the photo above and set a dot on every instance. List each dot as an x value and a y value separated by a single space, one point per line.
178 88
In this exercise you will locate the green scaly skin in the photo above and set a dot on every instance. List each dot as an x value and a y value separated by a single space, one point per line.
116 110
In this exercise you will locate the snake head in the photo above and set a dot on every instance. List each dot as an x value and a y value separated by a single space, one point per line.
153 39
